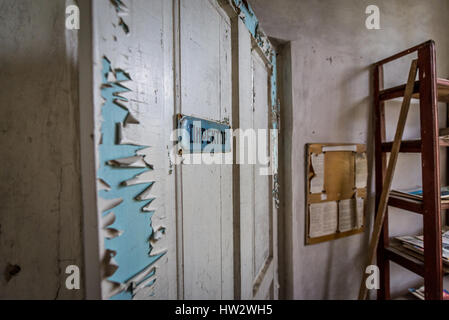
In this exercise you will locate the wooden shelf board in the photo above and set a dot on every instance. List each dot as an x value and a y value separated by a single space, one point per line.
414 259
410 204
399 256
398 91
411 146
406 204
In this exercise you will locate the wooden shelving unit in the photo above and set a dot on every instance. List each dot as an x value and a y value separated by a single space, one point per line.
429 90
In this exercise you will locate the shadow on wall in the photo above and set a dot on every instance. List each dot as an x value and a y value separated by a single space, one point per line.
40 193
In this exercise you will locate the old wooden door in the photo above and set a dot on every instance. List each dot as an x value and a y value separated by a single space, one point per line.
226 225
204 211
258 220
205 231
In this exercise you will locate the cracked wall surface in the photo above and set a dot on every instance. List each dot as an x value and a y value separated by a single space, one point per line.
40 193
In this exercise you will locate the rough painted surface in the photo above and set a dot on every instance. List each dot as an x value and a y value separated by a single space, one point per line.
327 99
40 200
249 18
128 235
131 120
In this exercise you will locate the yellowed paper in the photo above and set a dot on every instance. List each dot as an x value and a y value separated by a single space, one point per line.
317 182
322 219
346 215
360 212
361 170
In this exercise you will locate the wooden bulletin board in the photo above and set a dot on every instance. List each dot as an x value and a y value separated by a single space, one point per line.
336 183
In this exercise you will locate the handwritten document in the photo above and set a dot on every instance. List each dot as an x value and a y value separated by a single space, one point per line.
323 219
360 212
350 214
346 215
317 181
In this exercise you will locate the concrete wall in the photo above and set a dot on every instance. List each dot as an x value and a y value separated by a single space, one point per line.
327 98
40 193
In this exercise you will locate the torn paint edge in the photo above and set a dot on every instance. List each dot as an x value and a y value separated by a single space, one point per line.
249 18
109 150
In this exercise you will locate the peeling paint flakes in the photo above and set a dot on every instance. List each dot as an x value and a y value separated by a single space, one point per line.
130 119
124 26
151 206
146 177
111 288
142 275
144 279
122 11
110 233
109 266
102 185
108 220
146 194
146 283
157 234
108 204
130 162
115 156
121 76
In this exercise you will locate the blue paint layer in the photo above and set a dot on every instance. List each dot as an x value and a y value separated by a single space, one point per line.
194 136
133 247
249 18
252 24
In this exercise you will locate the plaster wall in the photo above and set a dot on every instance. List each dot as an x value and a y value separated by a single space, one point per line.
40 192
326 97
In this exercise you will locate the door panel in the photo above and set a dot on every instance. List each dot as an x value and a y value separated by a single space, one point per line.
209 69
205 73
262 213
257 217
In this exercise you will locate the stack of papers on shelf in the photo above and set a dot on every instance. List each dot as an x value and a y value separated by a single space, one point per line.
419 293
416 245
416 193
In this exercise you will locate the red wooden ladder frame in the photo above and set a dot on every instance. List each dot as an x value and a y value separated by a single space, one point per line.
428 146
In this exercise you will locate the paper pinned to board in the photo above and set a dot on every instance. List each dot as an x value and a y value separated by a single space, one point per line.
350 214
360 206
352 148
361 170
323 219
347 215
317 181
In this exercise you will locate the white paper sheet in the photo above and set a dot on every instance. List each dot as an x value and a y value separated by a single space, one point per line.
360 212
317 181
322 219
346 215
361 170
352 148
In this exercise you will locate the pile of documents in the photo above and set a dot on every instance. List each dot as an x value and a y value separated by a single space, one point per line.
419 293
415 246
417 192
